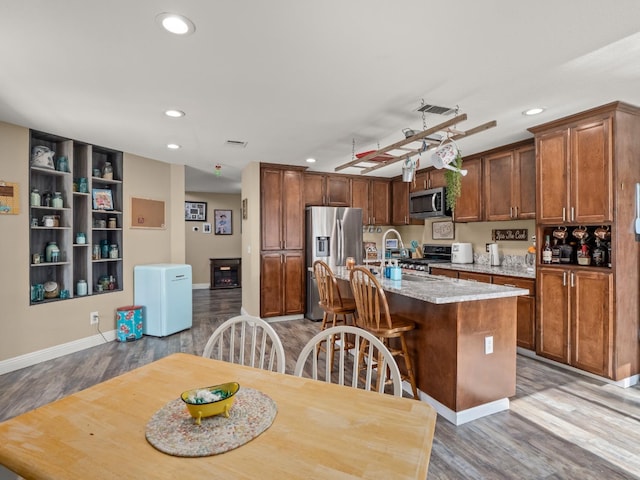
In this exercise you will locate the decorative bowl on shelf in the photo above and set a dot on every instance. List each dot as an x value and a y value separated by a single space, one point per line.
210 401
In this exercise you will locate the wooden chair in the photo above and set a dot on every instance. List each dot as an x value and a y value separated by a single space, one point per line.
352 370
374 316
336 310
247 340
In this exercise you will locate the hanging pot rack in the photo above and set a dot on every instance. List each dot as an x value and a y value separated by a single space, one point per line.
373 160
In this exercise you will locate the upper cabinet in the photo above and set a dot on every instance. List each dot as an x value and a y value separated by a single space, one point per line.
75 220
373 196
587 170
327 190
469 204
282 209
509 183
429 178
574 172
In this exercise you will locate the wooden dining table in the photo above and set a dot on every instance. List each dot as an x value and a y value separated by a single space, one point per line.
320 431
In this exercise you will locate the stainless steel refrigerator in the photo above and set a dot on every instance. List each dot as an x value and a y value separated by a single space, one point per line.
332 235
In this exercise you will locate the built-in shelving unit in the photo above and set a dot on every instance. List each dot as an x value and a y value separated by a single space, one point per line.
77 226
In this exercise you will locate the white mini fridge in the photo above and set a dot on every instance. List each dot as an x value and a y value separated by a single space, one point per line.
164 292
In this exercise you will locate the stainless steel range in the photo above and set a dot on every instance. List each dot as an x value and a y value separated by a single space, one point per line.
430 254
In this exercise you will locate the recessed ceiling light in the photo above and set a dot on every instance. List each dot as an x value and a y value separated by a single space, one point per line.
173 146
533 111
175 23
311 160
174 113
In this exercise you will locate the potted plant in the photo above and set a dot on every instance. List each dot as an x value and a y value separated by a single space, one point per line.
454 182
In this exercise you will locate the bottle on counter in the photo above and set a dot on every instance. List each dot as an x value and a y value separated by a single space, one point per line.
546 251
599 254
583 254
555 251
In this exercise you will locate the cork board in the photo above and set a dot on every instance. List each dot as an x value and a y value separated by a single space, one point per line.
147 213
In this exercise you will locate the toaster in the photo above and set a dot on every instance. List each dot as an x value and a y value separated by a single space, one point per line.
461 253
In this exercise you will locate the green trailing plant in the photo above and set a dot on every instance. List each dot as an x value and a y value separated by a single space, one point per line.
454 183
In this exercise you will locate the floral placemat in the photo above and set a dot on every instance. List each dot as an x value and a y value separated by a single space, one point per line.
173 431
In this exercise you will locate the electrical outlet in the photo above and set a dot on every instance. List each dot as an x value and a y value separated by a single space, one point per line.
94 318
488 345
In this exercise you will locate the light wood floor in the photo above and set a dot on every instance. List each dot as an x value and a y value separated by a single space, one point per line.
561 425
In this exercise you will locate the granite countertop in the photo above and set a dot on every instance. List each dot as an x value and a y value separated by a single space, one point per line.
507 270
435 289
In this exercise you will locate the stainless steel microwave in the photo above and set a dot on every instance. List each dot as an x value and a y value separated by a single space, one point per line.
429 203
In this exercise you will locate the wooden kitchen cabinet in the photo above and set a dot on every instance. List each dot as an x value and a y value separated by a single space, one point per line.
282 282
428 178
574 172
282 209
526 328
282 278
373 196
443 272
327 190
587 168
576 318
526 317
474 277
400 204
509 183
469 204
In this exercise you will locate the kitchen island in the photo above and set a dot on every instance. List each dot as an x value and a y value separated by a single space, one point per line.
464 344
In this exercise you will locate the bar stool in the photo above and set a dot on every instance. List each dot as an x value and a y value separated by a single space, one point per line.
374 316
336 310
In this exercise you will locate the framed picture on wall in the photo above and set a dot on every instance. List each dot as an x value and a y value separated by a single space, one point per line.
195 211
443 230
222 222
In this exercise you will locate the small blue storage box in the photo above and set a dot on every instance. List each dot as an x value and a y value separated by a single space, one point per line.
129 325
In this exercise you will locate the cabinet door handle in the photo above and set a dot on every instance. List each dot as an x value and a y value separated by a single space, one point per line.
510 212
564 214
510 285
573 216
515 209
564 279
573 283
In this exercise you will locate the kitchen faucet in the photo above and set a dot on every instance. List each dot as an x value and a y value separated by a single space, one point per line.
384 244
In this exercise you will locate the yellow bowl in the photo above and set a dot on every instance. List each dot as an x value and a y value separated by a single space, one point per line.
200 409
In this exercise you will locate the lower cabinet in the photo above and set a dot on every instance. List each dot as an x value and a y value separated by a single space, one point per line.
444 272
526 331
575 312
282 283
526 328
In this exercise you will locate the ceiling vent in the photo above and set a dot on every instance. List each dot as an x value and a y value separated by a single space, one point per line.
235 143
426 108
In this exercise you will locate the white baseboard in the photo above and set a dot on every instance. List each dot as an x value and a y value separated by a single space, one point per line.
200 286
29 359
624 383
464 416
